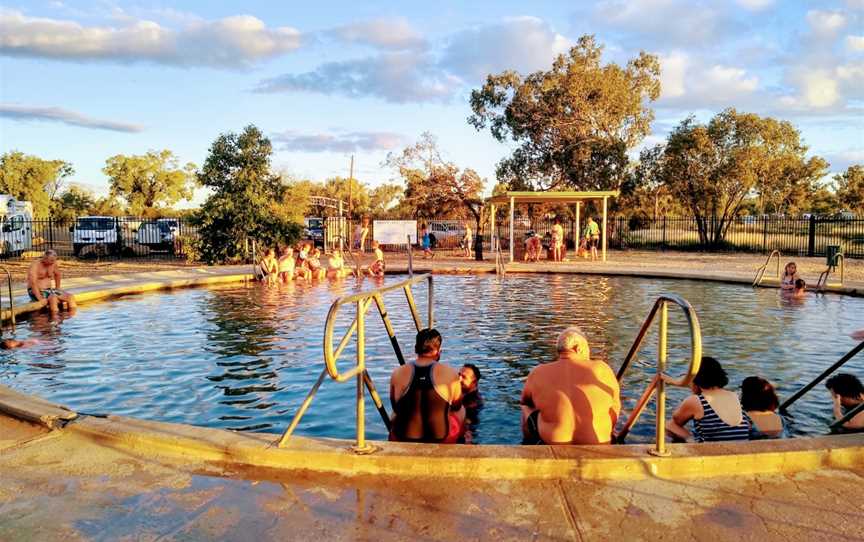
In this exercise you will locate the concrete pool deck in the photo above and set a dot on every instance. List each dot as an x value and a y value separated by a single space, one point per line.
71 477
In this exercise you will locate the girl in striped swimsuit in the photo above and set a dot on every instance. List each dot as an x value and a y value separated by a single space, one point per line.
716 413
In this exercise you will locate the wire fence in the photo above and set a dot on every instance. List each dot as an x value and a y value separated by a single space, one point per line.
168 238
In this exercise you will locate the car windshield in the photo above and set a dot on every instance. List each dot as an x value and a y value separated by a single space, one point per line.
314 223
95 223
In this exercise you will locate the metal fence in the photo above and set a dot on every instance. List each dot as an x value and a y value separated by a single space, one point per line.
98 237
793 236
136 238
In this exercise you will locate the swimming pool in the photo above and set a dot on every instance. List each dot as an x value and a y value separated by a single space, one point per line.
243 358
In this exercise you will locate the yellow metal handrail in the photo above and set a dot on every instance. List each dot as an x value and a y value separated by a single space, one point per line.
658 383
822 283
760 273
362 301
11 300
839 363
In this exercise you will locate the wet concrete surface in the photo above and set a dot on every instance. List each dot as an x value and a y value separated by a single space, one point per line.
64 487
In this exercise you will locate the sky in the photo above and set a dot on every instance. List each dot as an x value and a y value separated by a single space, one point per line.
86 80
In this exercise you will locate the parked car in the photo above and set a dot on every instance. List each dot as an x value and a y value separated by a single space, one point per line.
156 235
314 230
16 234
447 234
99 231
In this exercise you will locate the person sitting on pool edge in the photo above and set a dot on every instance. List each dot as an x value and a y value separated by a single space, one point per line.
573 400
759 400
426 396
847 392
716 413
286 264
40 276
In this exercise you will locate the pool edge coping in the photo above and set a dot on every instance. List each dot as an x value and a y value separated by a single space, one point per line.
238 451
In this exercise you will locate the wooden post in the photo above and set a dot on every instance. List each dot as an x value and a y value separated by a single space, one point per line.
512 217
604 228
492 229
578 225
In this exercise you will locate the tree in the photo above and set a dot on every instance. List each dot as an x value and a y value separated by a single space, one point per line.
247 201
32 179
75 201
645 193
850 188
573 123
106 206
149 181
435 187
384 199
713 168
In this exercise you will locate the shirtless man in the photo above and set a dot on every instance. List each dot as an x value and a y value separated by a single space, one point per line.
572 400
557 241
426 396
41 274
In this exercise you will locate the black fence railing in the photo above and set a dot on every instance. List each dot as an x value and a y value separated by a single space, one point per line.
98 237
793 236
168 238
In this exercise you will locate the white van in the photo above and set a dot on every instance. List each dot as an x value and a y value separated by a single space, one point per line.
97 230
16 226
156 235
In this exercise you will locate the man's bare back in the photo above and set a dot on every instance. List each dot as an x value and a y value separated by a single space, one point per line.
573 399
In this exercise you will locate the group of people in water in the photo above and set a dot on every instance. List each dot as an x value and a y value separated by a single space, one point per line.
303 261
576 400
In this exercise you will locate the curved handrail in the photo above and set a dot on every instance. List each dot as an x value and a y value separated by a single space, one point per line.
660 379
363 300
760 273
839 261
695 337
11 300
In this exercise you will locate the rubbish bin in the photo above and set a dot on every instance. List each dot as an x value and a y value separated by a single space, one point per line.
831 253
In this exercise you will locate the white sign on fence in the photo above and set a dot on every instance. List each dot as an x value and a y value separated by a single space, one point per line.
394 232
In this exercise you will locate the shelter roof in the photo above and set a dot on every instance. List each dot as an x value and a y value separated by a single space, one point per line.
551 197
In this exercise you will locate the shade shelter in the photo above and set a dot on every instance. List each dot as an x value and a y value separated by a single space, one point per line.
512 198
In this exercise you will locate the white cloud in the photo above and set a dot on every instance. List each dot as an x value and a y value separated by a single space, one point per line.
396 77
693 82
340 142
231 42
672 74
817 88
855 43
64 116
685 23
394 33
755 5
524 44
825 24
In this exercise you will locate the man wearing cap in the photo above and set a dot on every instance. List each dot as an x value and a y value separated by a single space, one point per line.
573 400
40 276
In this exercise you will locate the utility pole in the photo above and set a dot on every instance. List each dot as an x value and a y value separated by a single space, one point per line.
351 188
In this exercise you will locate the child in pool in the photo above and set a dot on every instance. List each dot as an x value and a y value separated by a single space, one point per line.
314 263
847 393
270 267
286 264
800 288
790 275
759 400
378 266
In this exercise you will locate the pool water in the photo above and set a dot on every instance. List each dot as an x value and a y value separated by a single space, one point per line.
244 357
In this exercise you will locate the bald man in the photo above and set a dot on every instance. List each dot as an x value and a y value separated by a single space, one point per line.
572 400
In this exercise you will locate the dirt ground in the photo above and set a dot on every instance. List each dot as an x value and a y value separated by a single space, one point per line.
84 268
